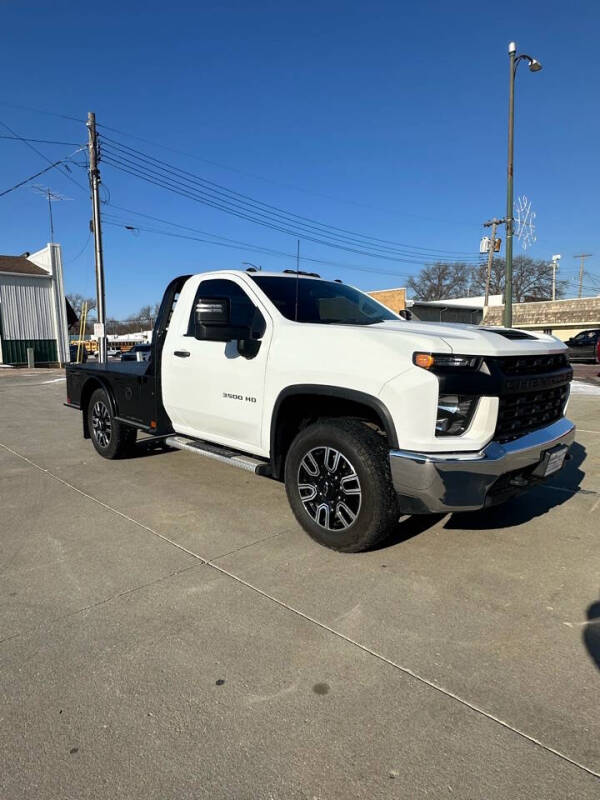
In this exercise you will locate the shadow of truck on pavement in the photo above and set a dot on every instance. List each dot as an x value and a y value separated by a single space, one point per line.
535 502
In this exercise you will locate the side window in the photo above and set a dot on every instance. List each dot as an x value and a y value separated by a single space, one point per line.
243 310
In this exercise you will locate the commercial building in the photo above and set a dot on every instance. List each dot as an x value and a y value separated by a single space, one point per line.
394 299
33 310
468 310
562 318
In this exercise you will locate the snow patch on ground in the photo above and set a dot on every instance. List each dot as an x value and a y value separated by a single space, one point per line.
579 387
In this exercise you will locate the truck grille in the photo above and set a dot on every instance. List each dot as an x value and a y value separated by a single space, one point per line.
532 365
522 413
533 393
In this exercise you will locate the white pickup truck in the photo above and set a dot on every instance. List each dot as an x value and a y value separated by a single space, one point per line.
363 414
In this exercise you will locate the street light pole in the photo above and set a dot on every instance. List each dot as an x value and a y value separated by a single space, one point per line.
555 260
534 66
512 49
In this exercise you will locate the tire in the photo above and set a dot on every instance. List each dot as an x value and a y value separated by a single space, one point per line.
111 439
339 486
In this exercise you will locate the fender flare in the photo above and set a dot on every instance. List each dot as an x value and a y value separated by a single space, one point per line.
343 393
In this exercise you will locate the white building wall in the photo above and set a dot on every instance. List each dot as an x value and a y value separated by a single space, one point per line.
26 305
59 303
33 306
43 258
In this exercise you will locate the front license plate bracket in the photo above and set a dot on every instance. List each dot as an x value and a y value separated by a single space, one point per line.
551 461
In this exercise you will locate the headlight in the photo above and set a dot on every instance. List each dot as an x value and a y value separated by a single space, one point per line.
436 362
454 413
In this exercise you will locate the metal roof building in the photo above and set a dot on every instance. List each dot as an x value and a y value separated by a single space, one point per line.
33 309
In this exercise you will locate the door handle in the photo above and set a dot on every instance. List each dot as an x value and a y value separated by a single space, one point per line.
181 353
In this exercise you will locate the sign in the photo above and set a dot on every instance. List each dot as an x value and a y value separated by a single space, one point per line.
99 329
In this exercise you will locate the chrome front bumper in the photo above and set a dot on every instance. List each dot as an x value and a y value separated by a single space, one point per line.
443 482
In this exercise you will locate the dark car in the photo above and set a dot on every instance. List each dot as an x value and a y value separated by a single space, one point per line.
584 346
132 355
73 353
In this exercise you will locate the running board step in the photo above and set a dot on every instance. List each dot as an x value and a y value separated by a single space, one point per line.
259 466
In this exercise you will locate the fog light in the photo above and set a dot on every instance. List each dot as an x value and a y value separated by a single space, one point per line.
454 414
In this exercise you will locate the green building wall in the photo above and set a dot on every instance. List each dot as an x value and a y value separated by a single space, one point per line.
14 351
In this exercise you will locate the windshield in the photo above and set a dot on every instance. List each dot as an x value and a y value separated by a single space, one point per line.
322 301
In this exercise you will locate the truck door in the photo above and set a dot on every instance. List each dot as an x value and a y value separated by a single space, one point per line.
210 390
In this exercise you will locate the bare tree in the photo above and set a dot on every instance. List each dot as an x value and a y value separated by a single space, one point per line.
532 279
441 281
77 301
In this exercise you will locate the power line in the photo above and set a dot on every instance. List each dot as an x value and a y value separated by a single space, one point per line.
82 251
254 176
228 240
228 167
135 159
38 141
31 177
284 230
39 153
40 111
257 249
255 217
177 190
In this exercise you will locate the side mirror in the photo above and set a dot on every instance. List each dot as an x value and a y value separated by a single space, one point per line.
212 321
405 313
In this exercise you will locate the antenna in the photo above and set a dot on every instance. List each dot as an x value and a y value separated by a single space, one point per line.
297 277
52 196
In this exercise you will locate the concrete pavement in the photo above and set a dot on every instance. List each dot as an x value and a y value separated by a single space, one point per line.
167 631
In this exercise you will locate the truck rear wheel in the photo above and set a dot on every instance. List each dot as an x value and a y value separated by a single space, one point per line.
338 483
112 439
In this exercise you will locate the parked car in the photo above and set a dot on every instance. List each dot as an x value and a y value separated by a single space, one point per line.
131 355
114 352
585 346
363 415
73 353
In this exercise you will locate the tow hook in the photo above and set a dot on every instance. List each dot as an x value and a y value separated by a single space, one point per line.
518 480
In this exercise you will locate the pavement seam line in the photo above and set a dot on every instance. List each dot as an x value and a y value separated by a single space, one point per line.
379 656
407 671
102 602
250 544
104 505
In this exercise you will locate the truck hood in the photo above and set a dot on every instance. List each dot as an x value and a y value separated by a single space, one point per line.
471 339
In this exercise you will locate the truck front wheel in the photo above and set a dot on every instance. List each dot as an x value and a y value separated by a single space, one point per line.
338 483
111 438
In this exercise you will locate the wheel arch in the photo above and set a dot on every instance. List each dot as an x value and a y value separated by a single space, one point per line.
301 404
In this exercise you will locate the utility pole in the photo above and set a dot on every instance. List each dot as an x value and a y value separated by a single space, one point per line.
555 260
493 223
97 229
583 257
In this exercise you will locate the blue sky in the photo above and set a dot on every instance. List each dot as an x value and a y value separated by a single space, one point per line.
384 118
